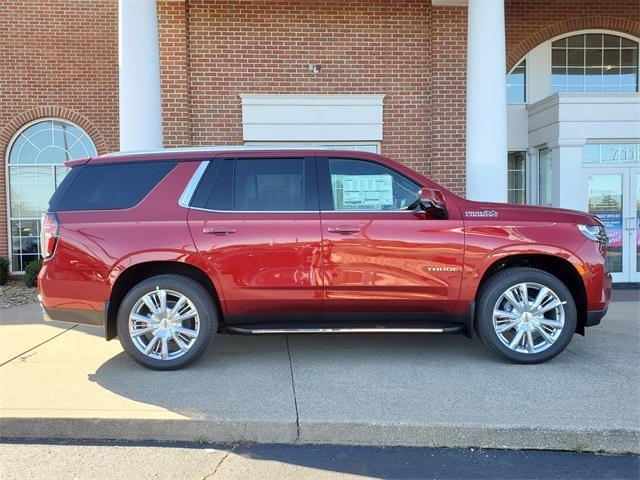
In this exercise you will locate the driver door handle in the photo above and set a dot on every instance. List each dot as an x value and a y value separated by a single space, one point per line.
344 229
219 230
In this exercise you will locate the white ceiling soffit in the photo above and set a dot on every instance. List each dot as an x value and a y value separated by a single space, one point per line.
311 118
451 3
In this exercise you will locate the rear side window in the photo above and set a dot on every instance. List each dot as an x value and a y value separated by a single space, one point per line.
108 187
264 185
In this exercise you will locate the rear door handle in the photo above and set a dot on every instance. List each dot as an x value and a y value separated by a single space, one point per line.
344 229
219 230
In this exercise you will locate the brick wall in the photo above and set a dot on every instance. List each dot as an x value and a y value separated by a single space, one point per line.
57 58
363 46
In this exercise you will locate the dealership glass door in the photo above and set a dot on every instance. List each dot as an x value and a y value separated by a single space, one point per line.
613 194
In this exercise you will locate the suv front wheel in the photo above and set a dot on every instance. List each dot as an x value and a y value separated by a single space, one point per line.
165 322
526 315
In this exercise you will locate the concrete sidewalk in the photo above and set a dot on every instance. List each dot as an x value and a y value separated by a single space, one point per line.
384 389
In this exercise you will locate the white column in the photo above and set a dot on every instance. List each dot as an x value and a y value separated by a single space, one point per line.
566 173
486 102
139 67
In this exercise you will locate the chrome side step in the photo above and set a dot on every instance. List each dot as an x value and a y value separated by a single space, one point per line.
281 331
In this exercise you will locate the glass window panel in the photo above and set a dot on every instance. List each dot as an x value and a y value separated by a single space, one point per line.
29 228
602 56
591 153
576 41
575 57
611 41
593 77
593 40
52 154
516 84
23 151
78 151
32 180
61 172
560 43
41 139
605 201
544 177
558 57
593 58
629 57
362 185
611 58
89 147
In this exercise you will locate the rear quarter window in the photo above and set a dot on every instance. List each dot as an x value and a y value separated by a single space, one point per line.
108 187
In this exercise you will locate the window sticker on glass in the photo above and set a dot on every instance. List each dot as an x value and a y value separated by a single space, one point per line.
362 192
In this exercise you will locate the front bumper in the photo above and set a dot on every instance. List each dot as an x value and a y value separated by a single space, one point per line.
594 317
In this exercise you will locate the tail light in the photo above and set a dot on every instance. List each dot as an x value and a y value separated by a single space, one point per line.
49 230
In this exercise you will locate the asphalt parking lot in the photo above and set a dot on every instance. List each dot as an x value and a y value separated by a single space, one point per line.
61 381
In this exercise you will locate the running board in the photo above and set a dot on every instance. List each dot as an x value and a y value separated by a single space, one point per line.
281 331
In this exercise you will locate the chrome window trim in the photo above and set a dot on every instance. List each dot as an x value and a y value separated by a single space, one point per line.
187 194
304 211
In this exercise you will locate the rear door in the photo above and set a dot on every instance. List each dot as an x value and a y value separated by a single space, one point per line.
256 221
379 257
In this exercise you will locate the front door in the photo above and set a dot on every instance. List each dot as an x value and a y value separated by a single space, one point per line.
256 222
379 257
613 194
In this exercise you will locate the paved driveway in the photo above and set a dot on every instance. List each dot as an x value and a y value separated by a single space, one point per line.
59 381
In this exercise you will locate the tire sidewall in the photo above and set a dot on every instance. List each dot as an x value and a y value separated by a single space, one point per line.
195 293
497 286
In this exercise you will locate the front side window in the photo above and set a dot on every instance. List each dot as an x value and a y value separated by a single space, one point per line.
516 84
360 185
594 62
35 168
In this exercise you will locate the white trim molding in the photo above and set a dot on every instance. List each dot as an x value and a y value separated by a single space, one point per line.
312 118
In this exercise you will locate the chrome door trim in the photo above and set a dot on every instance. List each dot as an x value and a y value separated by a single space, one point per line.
187 194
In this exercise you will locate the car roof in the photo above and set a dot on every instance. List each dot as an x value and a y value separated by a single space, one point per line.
198 153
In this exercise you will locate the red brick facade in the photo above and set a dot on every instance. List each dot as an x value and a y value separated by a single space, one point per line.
59 58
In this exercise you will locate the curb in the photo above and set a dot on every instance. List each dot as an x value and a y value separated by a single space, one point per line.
604 440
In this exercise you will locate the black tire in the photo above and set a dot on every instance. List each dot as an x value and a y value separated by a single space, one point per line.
201 300
491 292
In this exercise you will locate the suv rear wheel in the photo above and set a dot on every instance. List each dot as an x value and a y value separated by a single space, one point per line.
526 315
165 322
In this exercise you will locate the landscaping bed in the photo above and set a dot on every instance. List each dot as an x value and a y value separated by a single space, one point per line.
15 292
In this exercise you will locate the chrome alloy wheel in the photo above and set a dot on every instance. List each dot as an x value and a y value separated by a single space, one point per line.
164 324
528 317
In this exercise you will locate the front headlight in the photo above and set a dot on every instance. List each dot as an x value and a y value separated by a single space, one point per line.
595 233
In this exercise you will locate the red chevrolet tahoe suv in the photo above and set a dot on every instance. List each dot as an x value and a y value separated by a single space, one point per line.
164 250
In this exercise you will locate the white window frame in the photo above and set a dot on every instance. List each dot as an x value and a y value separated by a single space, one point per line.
8 184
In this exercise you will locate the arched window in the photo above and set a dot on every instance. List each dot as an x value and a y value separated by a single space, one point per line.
35 168
594 62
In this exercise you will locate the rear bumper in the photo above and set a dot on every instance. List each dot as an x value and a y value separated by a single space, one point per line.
96 318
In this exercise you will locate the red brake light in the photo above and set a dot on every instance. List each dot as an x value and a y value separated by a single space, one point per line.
49 229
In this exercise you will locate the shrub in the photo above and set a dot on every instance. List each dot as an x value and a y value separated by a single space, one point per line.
31 273
4 270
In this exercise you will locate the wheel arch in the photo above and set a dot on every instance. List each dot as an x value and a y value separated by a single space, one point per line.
140 271
557 266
